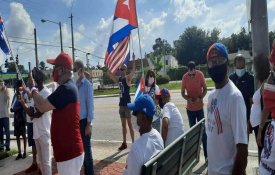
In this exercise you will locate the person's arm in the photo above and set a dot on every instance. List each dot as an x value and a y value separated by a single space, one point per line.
133 71
90 109
112 77
264 117
204 88
30 111
133 166
183 89
42 104
240 162
164 129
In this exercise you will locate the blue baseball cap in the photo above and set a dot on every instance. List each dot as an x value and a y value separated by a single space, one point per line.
165 92
217 50
145 104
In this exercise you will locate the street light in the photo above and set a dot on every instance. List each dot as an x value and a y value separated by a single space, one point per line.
58 23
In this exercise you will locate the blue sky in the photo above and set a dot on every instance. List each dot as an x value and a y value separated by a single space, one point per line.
92 23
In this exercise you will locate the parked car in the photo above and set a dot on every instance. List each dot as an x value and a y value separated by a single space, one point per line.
96 84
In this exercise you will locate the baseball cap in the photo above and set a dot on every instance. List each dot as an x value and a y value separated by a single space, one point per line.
63 59
123 67
165 92
217 50
145 104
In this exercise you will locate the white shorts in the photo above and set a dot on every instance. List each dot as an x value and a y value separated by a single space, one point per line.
70 167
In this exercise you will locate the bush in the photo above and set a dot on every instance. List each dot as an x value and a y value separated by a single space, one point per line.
177 73
163 79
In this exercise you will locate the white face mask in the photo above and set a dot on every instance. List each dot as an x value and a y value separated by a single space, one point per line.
151 80
75 76
134 123
240 72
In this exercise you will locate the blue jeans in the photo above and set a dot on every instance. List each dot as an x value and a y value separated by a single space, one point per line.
194 117
5 125
88 158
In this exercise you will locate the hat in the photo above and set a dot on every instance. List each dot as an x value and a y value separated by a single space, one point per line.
145 104
124 66
191 65
165 92
217 50
63 60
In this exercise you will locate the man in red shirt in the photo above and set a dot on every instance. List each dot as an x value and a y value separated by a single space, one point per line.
193 89
65 132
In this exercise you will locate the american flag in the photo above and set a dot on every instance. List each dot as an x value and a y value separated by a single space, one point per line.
125 20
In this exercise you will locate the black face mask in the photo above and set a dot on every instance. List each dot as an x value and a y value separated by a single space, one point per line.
161 104
218 73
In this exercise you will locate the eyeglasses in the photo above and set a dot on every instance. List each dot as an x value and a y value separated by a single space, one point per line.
212 62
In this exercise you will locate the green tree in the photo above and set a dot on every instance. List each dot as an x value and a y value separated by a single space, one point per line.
11 68
193 44
271 35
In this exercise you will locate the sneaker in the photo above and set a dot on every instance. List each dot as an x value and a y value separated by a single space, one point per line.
122 147
19 156
32 168
24 155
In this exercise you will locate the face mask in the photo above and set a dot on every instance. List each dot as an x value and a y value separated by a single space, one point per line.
151 80
161 104
218 73
240 72
134 123
55 75
76 76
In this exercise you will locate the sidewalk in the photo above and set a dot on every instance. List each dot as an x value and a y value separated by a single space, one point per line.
107 161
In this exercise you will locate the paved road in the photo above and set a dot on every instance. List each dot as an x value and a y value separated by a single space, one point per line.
106 125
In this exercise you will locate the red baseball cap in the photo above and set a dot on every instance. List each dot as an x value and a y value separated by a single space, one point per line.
63 60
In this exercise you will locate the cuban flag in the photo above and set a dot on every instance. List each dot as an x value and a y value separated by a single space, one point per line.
140 88
125 20
3 43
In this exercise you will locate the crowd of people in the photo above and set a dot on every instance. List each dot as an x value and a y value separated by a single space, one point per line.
63 118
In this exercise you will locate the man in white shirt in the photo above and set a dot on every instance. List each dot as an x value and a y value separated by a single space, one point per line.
226 124
150 142
172 123
41 125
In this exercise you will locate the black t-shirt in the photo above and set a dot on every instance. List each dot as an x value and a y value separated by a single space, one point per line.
246 85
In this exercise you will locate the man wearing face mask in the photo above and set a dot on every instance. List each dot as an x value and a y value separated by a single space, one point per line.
124 82
4 116
226 124
65 129
245 83
86 98
150 142
193 89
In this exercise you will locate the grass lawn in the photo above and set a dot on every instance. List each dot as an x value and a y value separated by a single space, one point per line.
4 154
170 86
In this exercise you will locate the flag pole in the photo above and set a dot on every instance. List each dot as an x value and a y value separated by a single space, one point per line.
139 43
16 67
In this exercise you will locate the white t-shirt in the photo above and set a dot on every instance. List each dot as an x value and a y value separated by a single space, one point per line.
42 124
175 126
226 126
267 165
256 111
29 103
142 150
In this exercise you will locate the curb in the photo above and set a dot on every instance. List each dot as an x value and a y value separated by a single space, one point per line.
116 95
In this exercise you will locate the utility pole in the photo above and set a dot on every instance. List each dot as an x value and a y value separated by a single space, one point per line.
72 31
35 45
259 28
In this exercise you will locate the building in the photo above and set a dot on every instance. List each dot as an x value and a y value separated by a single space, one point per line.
168 62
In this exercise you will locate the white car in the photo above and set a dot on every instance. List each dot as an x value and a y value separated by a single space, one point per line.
96 84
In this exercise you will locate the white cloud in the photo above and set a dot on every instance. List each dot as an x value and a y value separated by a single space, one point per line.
67 36
68 2
81 28
231 23
271 4
272 25
189 8
19 22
